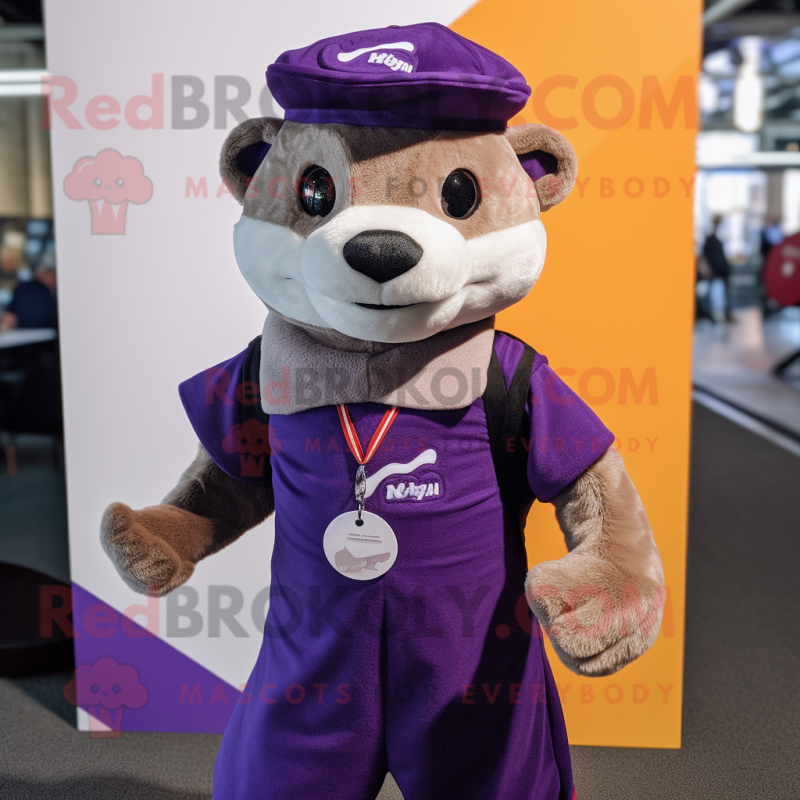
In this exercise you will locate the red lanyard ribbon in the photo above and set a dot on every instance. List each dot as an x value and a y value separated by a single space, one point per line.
351 437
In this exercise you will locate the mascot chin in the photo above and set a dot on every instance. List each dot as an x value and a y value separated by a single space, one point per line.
400 441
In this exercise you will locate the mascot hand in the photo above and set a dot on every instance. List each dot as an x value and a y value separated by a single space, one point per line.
601 604
598 616
155 549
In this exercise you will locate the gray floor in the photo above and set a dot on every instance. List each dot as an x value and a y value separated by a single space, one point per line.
741 733
734 361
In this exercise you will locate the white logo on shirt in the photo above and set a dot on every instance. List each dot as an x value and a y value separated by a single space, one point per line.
425 457
411 490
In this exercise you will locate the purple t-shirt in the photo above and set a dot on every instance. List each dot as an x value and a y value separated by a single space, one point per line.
447 612
566 436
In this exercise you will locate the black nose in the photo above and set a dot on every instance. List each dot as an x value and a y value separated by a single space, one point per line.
382 255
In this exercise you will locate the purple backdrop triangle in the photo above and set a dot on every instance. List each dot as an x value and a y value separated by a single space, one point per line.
182 695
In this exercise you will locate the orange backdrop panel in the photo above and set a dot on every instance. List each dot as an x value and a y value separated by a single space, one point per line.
613 308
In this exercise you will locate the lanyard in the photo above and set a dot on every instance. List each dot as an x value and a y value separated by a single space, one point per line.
353 442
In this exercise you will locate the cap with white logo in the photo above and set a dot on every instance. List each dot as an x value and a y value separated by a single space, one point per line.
413 76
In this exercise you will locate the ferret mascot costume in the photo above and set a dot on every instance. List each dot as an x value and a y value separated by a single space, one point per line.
400 440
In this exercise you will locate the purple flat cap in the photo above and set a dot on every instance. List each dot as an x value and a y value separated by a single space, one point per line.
412 76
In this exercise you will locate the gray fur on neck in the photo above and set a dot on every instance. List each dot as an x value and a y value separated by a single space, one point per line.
304 368
335 339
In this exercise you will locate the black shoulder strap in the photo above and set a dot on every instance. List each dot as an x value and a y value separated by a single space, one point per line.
251 371
509 443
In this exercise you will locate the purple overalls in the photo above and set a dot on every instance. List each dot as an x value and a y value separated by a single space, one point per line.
435 671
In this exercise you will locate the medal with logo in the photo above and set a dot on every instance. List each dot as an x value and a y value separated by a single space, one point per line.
359 544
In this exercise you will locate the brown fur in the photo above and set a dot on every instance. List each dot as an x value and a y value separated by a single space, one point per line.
374 166
273 194
507 198
156 548
145 545
612 552
263 129
551 189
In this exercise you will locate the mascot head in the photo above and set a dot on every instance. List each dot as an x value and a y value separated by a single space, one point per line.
393 201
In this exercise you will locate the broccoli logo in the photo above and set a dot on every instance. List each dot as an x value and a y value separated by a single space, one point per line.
109 182
253 441
104 690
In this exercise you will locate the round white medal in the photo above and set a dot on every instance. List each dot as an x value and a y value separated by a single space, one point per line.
361 552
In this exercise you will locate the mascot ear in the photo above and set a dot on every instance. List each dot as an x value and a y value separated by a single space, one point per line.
549 160
244 150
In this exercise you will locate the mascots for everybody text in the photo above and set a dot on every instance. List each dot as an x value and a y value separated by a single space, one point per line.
400 441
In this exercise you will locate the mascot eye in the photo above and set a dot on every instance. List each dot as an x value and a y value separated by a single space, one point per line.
97 182
317 192
460 194
119 183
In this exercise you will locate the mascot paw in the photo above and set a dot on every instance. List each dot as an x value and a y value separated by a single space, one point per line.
598 617
146 562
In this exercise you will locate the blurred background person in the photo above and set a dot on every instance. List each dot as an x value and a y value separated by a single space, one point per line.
771 234
714 255
34 302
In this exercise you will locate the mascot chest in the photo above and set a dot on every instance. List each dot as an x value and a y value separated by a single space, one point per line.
433 470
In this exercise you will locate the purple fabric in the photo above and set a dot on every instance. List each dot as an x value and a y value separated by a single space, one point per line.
436 670
566 436
180 694
217 401
249 158
414 76
538 164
